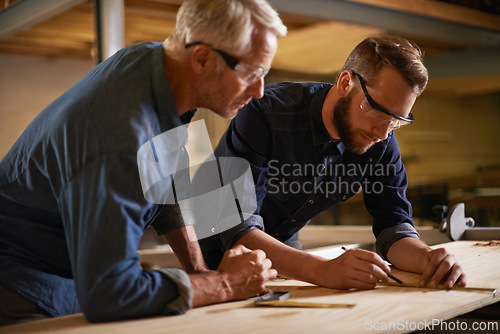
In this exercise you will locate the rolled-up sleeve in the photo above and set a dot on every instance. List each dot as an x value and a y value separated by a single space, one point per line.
392 234
183 302
231 236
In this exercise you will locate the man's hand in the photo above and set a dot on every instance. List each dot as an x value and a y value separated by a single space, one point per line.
356 268
245 272
435 265
442 267
241 274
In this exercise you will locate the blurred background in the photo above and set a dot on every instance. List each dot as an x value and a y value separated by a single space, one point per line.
451 152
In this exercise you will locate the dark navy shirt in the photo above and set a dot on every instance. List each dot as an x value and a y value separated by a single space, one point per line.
72 209
300 171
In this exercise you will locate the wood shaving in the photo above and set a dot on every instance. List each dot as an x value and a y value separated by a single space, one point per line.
491 243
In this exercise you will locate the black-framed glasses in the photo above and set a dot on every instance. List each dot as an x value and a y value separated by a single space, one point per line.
372 109
248 74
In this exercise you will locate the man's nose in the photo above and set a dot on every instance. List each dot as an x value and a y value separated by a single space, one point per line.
256 89
382 130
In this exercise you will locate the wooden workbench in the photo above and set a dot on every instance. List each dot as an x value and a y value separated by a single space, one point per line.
375 310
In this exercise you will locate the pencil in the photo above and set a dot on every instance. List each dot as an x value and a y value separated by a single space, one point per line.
389 275
395 278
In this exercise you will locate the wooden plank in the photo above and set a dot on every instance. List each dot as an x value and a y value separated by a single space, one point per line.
152 9
46 41
139 28
382 306
46 51
79 17
56 32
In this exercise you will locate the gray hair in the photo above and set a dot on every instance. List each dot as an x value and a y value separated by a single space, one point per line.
224 24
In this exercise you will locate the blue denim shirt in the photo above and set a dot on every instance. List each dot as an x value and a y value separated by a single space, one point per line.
72 210
300 171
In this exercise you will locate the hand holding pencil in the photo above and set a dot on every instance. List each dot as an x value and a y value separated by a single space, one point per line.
356 268
394 278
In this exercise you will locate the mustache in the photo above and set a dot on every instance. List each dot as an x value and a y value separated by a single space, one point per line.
370 136
244 102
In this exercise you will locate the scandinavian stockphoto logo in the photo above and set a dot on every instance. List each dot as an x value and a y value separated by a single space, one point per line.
327 179
179 167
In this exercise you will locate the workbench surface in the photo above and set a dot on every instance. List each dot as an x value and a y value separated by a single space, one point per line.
383 309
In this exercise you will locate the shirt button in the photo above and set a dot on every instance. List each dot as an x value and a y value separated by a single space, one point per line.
292 221
311 201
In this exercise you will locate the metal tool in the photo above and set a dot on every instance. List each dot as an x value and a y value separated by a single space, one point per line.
459 227
281 299
492 291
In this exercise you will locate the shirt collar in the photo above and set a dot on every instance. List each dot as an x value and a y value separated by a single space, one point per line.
318 129
319 133
165 102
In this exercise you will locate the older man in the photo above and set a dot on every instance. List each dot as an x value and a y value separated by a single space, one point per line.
71 206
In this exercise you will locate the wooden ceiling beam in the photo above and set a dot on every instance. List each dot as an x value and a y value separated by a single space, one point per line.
152 9
60 31
46 51
395 20
27 13
56 33
46 41
72 18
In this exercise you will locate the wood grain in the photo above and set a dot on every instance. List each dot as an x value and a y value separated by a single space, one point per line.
382 305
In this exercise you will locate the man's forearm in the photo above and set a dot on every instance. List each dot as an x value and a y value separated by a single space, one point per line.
184 243
409 254
358 269
435 265
288 261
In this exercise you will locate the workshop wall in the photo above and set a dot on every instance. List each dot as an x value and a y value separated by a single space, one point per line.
27 85
451 137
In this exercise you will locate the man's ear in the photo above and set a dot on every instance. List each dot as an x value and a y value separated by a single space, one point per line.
201 58
344 82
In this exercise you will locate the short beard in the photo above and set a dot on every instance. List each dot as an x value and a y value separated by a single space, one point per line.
341 116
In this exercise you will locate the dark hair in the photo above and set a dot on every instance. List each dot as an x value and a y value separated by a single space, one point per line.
377 52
